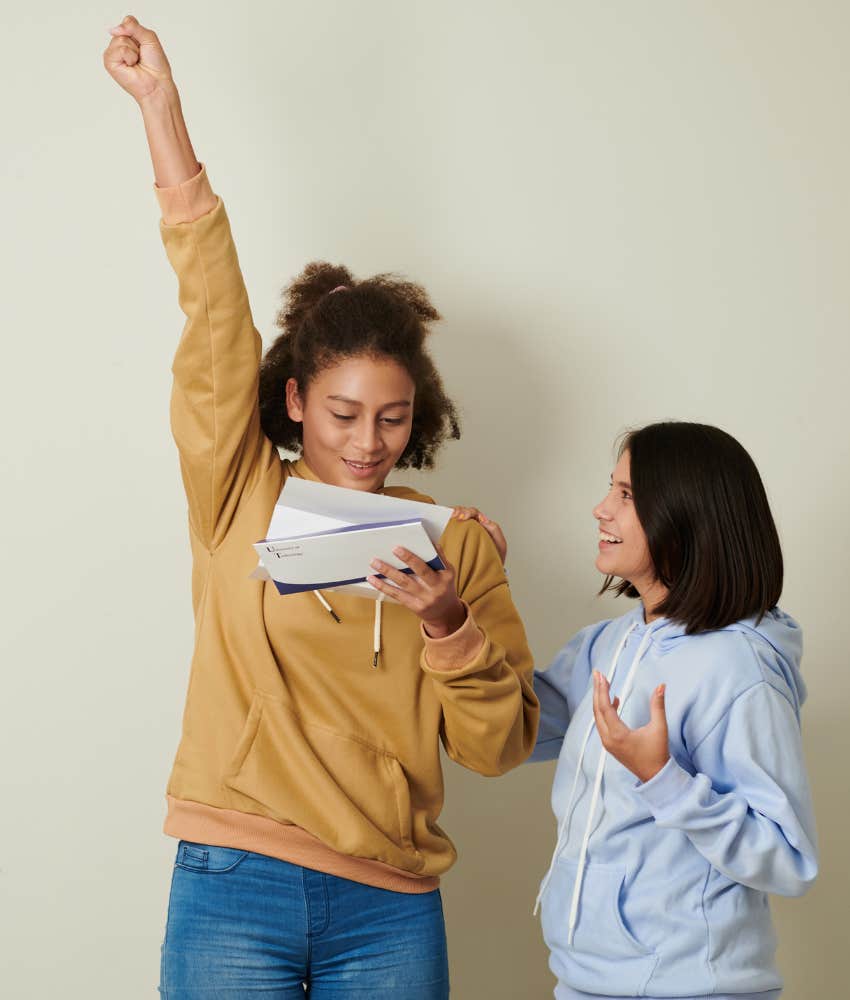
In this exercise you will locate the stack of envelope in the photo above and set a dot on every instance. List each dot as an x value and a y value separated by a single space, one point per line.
324 537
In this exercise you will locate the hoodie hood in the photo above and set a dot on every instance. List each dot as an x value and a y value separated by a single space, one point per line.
777 641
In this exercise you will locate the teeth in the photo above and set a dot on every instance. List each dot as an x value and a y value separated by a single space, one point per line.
609 538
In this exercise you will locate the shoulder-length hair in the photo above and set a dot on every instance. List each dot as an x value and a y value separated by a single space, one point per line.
708 525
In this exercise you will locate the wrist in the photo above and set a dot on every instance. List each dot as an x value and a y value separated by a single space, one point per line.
163 101
647 773
448 624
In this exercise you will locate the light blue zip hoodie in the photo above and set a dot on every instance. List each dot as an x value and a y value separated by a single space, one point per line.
660 888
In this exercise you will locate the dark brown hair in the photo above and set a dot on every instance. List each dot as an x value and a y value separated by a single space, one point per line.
708 525
328 316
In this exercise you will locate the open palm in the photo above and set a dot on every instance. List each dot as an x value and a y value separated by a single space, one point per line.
644 751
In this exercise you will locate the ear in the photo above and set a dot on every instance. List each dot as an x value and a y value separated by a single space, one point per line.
294 402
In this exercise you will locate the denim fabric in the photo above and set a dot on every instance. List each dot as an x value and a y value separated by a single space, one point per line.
241 924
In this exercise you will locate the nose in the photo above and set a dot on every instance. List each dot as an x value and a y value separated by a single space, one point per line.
600 511
367 438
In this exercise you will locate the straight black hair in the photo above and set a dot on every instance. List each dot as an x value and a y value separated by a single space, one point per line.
710 532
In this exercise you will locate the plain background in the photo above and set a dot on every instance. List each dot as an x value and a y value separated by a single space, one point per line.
625 211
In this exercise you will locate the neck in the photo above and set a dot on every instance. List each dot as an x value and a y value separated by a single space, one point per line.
652 593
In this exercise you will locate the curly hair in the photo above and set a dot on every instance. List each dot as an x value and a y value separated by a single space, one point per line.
328 316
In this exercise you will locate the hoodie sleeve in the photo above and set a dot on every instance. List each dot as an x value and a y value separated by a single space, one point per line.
482 673
559 688
214 406
747 809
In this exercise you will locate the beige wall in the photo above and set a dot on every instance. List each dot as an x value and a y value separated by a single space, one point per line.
626 211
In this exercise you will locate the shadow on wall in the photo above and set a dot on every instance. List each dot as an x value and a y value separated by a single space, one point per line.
806 952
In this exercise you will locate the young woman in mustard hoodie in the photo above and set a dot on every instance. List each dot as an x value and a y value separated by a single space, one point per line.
307 785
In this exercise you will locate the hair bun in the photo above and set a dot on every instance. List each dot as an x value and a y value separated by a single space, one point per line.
318 279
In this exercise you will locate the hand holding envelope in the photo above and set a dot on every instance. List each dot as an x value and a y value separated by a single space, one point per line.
325 537
428 593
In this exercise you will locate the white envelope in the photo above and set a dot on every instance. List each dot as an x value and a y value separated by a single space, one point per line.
341 557
308 508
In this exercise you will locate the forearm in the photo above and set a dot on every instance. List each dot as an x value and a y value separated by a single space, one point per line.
735 838
172 155
554 715
489 709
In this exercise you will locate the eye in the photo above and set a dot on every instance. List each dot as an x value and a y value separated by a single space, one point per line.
627 495
393 421
343 416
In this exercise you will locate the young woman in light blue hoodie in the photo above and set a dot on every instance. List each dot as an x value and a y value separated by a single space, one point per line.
681 792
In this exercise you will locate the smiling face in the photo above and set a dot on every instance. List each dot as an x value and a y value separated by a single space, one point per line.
356 419
623 548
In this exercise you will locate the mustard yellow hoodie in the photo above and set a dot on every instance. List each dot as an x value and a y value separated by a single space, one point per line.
293 744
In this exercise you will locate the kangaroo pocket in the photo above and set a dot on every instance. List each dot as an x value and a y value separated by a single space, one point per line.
351 795
605 956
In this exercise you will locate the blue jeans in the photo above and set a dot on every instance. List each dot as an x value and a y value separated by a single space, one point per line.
241 924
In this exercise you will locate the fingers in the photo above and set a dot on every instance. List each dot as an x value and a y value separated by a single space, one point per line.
131 28
387 589
474 514
419 566
657 710
423 574
608 722
466 513
404 581
496 533
121 51
490 526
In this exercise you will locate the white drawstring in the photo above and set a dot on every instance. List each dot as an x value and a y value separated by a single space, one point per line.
563 827
327 607
376 635
597 786
376 642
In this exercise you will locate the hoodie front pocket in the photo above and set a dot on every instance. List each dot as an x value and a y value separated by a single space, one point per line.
350 794
604 951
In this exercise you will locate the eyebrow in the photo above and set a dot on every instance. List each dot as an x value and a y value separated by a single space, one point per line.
623 483
356 402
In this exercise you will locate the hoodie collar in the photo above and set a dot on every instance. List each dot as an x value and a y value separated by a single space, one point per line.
303 471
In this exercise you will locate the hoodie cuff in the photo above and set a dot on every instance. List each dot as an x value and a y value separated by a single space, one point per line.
666 788
187 201
455 651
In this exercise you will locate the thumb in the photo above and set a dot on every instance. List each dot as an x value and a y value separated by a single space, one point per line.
657 709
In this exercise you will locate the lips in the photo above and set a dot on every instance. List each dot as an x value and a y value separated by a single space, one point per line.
608 538
361 469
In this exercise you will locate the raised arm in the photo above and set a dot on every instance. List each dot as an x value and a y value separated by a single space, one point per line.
136 61
214 406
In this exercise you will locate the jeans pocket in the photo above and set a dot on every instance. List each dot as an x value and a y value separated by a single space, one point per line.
207 858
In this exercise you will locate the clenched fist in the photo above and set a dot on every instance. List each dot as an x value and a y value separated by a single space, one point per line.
135 60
